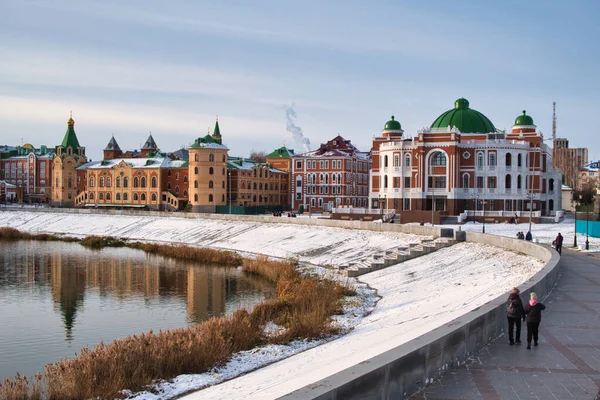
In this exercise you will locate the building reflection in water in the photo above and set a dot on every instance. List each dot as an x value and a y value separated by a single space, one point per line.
70 271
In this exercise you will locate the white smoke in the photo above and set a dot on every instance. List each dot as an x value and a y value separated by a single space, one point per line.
295 130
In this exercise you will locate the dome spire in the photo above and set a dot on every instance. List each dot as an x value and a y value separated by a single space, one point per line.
71 122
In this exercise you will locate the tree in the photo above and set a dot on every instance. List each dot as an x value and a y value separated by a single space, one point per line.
259 156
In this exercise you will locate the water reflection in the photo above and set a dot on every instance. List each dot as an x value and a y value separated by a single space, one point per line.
103 295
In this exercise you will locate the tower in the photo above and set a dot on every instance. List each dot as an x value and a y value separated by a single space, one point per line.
68 156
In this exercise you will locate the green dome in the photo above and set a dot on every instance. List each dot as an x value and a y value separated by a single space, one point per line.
524 119
392 125
465 119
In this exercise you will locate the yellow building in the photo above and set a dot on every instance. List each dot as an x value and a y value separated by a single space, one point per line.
208 172
69 155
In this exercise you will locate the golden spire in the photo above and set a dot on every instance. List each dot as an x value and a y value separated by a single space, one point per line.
70 122
217 117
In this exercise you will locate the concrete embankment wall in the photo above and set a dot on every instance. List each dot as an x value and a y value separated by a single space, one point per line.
408 368
370 226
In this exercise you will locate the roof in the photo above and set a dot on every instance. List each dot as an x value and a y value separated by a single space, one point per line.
137 163
150 144
112 144
336 147
247 164
524 120
70 138
282 152
207 142
466 119
392 125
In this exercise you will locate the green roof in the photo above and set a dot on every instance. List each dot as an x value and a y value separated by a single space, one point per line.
392 125
524 119
205 139
217 131
465 119
70 138
282 152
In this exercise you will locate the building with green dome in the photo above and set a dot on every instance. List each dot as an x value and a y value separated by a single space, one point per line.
463 166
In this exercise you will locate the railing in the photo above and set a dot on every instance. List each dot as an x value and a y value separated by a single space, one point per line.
501 213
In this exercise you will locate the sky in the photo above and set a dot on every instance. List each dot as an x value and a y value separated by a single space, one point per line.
130 68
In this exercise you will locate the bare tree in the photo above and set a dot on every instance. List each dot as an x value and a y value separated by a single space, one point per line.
259 156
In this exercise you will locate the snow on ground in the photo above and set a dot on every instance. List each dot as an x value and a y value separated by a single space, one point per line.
544 233
416 296
318 246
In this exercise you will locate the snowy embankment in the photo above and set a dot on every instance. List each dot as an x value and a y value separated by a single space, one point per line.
416 296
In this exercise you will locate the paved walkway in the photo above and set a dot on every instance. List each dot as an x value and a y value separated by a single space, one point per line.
565 365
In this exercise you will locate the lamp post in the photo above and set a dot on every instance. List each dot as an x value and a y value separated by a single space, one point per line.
432 191
229 175
587 242
575 234
530 197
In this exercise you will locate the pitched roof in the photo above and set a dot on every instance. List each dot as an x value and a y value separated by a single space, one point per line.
150 144
112 145
282 152
70 138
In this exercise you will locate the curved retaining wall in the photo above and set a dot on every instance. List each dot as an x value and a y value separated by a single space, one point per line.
408 368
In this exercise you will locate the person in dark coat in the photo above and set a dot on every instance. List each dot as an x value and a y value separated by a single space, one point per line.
514 313
558 243
528 236
534 317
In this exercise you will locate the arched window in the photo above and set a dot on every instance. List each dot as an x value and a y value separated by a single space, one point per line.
101 182
249 186
551 185
551 205
519 180
136 182
153 181
185 178
196 198
177 189
254 198
124 196
91 195
184 193
210 198
254 185
196 158
223 172
143 181
508 159
211 171
211 157
480 160
385 181
223 198
492 159
135 197
196 170
465 181
101 196
385 161
518 160
125 182
195 184
508 181
168 172
222 184
91 182
143 197
438 158
153 197
407 160
118 196
223 158
271 186
168 185
177 176
260 186
210 184
107 196
108 181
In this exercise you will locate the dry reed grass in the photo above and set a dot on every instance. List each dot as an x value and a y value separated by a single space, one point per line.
303 306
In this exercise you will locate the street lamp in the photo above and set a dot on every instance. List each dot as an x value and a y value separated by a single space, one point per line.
575 202
229 175
530 197
587 242
483 208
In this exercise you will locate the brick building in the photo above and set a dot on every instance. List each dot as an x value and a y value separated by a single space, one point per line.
462 162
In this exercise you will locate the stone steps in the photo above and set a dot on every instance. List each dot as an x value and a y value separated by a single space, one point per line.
394 257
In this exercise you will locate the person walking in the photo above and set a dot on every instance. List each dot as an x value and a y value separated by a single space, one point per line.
534 317
514 313
558 243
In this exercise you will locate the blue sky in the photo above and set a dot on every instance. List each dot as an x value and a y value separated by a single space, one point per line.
130 67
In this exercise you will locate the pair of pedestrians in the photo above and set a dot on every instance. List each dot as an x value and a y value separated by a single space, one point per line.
532 313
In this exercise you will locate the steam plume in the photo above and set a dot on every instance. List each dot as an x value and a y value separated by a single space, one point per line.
295 130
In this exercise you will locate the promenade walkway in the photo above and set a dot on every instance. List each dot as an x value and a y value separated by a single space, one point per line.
565 365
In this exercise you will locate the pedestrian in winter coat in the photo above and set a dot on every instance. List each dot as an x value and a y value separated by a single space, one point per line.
558 243
534 317
514 313
528 236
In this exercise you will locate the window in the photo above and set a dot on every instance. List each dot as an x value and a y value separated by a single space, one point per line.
153 181
177 189
91 182
385 161
321 164
438 158
211 157
118 196
168 185
507 181
196 198
407 181
101 196
480 182
440 182
223 198
107 196
91 195
124 196
492 159
396 160
508 160
519 180
518 160
143 181
196 158
153 197
210 198
108 181
136 182
143 197
407 160
195 184
480 160
298 181
385 181
210 184
298 196
118 182
135 197
465 182
211 171
196 170
492 182
101 181
125 182
298 164
223 172
406 204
